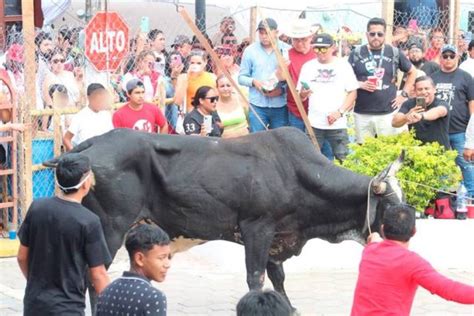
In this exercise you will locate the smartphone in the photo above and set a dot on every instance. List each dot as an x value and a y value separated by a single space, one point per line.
145 24
305 85
420 101
176 60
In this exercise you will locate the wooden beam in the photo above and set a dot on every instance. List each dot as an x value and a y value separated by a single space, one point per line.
253 23
28 101
388 8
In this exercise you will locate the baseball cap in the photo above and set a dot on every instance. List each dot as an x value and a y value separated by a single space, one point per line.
323 40
415 44
134 83
272 24
180 40
449 48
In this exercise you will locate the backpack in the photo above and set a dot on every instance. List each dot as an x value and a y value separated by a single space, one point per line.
395 59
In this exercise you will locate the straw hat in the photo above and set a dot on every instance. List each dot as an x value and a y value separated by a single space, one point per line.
300 28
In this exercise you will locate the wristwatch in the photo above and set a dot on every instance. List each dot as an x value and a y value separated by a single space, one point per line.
341 112
423 116
404 94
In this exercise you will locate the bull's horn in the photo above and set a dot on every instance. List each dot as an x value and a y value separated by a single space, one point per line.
51 163
379 187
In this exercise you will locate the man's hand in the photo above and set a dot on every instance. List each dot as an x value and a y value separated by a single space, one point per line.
367 86
257 84
374 237
305 93
333 117
176 70
398 101
468 154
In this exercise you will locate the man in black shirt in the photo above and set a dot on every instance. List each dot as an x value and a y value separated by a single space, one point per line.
132 294
60 239
428 116
376 65
456 87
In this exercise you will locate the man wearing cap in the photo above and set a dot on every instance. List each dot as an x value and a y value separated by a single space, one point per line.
258 71
301 35
60 239
456 87
331 87
416 56
376 65
138 114
227 26
182 44
468 64
93 120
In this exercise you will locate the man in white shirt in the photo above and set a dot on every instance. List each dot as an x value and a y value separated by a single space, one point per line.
331 86
468 64
93 120
469 144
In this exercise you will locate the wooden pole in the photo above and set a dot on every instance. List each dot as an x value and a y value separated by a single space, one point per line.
189 21
456 20
28 102
253 23
388 8
291 86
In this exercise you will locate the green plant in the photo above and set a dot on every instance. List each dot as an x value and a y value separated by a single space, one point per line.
428 164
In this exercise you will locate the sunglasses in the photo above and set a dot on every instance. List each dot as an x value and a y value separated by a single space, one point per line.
230 42
213 99
322 50
378 34
448 56
55 61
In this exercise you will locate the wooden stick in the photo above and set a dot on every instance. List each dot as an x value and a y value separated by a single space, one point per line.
291 85
189 21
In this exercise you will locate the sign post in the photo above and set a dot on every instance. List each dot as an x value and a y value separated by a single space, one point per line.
106 41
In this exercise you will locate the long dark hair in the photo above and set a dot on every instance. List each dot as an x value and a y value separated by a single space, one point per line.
201 93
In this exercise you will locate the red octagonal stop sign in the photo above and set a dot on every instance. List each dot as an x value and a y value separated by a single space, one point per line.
106 41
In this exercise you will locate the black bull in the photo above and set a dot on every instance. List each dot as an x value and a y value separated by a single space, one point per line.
270 191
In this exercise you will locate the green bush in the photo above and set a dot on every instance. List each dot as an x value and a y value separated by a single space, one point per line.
427 164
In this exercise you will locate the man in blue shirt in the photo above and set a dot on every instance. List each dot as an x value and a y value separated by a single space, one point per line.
258 71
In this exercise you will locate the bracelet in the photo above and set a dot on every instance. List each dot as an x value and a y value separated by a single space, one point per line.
423 117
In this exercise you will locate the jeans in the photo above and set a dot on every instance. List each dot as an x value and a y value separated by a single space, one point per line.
295 121
338 140
271 117
457 141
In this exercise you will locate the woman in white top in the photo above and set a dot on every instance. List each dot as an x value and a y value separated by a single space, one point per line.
58 75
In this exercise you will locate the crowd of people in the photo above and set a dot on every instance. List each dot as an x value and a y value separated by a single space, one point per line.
417 81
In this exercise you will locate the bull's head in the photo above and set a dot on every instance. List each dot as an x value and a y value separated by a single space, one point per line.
385 190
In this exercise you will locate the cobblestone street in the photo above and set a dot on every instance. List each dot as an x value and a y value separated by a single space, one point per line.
210 279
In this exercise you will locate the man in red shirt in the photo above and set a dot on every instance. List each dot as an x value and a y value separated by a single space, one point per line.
137 114
301 52
389 273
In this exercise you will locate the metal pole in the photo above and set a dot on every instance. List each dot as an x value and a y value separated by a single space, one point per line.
88 10
200 13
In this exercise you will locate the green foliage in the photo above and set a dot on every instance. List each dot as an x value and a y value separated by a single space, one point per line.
427 164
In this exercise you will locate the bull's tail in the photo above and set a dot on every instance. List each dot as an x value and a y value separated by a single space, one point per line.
81 147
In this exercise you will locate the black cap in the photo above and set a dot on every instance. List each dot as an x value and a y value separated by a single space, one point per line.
134 83
415 44
323 40
272 24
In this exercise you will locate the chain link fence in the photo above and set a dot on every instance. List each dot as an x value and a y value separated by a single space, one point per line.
157 32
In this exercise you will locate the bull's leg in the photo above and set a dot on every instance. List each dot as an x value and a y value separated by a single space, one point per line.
257 237
276 274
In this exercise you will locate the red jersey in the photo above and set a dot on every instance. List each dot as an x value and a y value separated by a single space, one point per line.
297 61
432 53
147 119
389 275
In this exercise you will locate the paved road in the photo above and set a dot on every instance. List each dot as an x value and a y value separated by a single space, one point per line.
210 279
